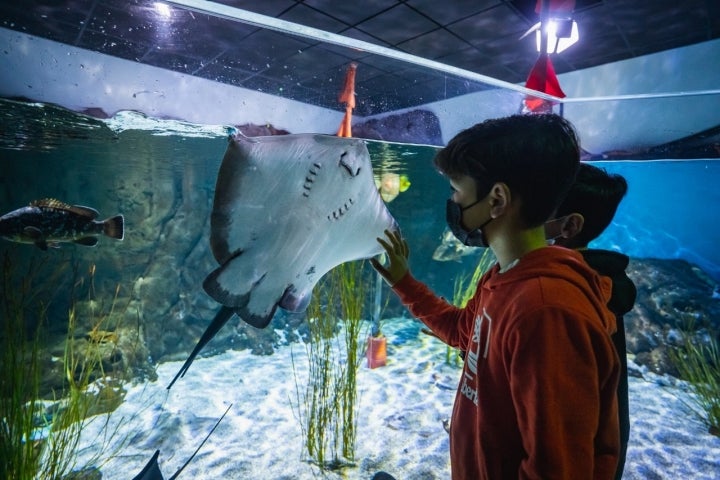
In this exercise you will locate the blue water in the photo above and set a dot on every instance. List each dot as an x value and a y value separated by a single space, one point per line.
161 174
670 211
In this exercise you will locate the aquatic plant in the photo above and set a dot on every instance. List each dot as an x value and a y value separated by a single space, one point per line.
698 363
327 405
39 438
352 294
463 291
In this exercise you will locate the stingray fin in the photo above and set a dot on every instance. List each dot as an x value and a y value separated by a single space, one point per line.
222 285
230 286
151 471
217 323
294 301
257 321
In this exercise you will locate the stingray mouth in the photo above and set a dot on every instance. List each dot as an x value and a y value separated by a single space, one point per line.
339 212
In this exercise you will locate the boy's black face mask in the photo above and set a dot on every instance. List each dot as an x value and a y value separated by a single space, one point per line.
453 216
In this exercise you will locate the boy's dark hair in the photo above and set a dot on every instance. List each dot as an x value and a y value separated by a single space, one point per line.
595 195
536 156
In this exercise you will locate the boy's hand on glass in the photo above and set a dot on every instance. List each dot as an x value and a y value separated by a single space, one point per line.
397 252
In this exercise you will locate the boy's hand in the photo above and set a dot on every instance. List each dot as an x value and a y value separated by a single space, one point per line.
397 252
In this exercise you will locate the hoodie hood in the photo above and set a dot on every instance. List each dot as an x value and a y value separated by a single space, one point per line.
613 265
559 263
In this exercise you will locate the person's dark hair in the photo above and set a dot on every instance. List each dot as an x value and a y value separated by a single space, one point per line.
595 195
535 155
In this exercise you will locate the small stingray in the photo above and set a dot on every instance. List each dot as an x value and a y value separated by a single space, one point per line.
151 471
287 210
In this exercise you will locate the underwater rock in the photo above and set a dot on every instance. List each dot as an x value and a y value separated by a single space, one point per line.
674 296
87 473
416 126
253 130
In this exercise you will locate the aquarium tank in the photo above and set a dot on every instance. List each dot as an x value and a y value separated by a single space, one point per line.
187 286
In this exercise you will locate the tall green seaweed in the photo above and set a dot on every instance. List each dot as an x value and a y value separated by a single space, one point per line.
39 438
327 404
352 295
20 380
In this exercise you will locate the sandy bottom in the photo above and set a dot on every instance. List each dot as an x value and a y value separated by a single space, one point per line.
400 420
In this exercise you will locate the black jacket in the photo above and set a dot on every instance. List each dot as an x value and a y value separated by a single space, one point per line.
613 265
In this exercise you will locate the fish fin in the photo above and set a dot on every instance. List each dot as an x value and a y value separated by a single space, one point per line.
50 203
114 227
221 318
87 212
36 235
86 241
32 232
84 211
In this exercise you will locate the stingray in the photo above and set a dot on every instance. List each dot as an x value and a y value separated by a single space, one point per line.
287 209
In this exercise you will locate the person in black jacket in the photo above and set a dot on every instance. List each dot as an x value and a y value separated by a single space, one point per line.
584 214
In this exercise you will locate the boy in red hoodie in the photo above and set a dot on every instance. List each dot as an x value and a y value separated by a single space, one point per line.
537 396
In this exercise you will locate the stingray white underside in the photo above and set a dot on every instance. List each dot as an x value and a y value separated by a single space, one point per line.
287 210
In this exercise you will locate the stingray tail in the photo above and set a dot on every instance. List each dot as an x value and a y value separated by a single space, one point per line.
220 319
201 444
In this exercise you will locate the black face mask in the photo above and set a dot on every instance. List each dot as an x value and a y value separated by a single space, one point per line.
453 216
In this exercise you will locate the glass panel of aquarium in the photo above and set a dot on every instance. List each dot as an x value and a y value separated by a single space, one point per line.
111 109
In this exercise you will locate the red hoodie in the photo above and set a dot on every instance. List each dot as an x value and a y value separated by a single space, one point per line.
538 394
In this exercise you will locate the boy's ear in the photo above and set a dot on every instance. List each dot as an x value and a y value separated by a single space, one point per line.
572 225
500 198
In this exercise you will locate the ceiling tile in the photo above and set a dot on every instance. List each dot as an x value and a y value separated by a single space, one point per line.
351 13
305 65
220 72
397 25
311 17
272 8
435 44
117 47
497 22
172 61
449 12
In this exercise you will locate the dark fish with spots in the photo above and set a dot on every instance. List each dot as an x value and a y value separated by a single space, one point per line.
49 222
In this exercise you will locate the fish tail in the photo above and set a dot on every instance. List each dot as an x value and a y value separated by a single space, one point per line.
114 227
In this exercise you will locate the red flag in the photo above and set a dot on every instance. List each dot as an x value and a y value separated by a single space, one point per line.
543 79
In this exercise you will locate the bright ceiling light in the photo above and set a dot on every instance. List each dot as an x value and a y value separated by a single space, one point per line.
561 33
163 9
